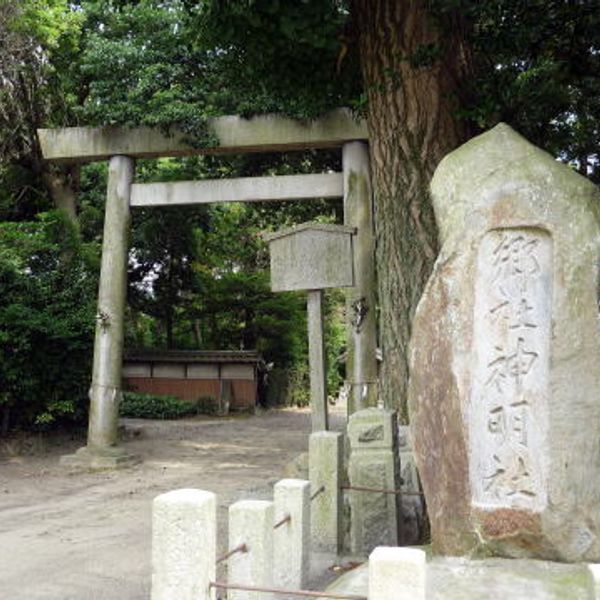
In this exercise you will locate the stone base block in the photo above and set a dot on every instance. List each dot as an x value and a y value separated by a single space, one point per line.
397 574
98 459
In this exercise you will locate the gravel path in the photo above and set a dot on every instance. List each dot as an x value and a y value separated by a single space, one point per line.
87 536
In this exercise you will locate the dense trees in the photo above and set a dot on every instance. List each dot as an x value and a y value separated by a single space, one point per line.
427 75
433 73
46 322
38 41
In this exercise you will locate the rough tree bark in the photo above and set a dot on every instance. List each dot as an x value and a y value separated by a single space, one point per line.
412 68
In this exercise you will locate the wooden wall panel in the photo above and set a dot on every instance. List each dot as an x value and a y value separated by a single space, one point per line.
244 392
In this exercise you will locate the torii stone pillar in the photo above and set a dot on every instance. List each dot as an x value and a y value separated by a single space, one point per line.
105 391
361 364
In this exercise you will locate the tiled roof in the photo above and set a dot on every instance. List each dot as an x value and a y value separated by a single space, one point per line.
194 356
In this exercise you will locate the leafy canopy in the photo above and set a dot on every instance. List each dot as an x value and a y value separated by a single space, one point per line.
174 63
177 63
46 320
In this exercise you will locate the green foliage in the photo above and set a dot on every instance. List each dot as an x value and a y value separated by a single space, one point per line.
542 74
161 273
46 321
175 63
298 390
22 194
335 336
49 22
238 310
38 39
538 69
198 277
150 406
280 56
141 66
536 63
207 405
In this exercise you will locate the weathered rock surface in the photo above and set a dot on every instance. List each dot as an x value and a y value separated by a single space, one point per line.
505 387
451 578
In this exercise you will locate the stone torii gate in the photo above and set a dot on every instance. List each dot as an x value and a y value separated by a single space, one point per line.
271 133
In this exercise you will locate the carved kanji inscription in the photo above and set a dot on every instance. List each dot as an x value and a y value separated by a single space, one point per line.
508 408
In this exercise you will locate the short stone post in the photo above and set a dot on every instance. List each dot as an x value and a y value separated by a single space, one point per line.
184 540
374 463
397 574
325 468
291 544
595 573
251 523
361 364
317 361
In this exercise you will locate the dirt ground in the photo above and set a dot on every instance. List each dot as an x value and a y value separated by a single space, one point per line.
88 536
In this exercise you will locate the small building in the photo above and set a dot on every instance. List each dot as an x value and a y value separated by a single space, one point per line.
230 377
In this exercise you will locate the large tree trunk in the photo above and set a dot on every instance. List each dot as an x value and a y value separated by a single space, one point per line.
412 93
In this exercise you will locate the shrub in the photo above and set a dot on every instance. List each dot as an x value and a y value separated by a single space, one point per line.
207 405
299 386
47 308
149 406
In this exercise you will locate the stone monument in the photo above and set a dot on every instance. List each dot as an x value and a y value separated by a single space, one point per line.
504 395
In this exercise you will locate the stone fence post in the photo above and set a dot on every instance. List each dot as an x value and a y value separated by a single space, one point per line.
251 523
184 539
325 464
397 574
595 573
291 558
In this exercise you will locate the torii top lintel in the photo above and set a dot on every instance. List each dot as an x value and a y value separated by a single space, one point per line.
265 133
